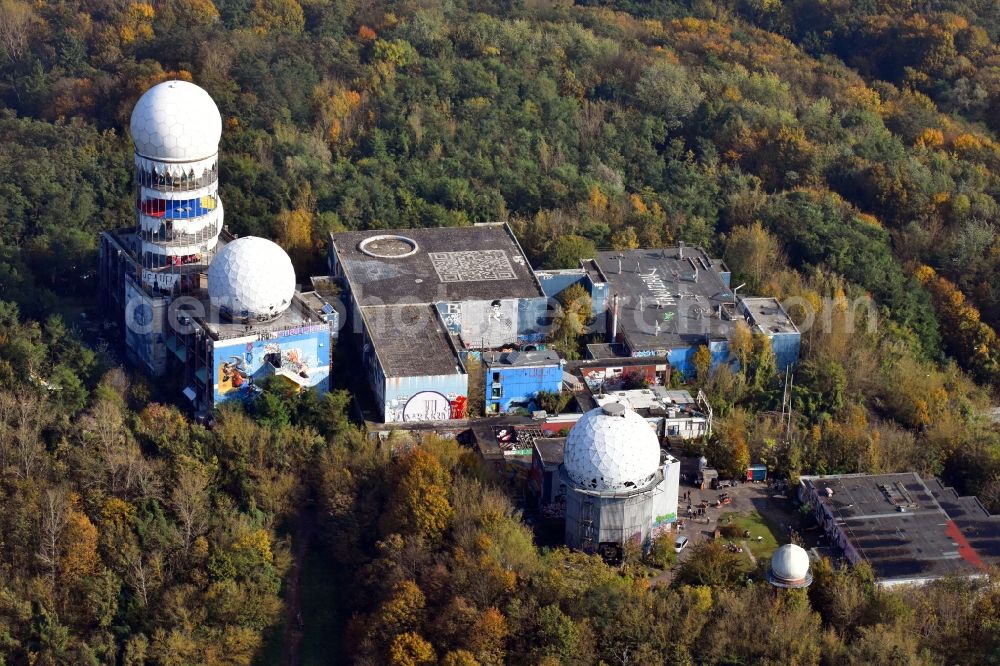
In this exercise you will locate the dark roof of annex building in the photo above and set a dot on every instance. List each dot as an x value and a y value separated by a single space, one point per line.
668 298
521 359
411 341
614 362
478 263
909 529
551 450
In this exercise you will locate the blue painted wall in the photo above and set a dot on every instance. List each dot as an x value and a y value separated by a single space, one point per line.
554 282
519 386
598 294
239 364
786 349
720 352
785 345
533 325
682 358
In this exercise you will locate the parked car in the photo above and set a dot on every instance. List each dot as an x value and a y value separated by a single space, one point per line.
680 543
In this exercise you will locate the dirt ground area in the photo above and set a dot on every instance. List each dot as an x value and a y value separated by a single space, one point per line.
771 502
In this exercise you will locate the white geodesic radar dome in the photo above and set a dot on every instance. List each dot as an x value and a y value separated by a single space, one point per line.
611 448
251 279
176 121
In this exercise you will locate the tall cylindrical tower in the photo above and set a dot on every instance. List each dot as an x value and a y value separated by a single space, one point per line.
176 129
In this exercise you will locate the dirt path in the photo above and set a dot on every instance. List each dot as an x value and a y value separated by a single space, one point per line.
293 611
746 549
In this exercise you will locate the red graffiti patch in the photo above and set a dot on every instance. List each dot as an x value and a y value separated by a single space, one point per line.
965 549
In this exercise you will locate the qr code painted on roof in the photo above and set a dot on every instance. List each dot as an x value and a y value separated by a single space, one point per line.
472 266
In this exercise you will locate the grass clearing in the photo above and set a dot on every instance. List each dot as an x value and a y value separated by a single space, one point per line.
757 526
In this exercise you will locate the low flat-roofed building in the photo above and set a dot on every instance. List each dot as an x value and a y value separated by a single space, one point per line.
513 435
618 373
605 350
674 413
668 302
767 316
908 530
514 379
435 264
413 367
665 302
475 285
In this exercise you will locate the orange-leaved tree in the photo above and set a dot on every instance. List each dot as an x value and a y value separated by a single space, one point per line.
420 503
973 342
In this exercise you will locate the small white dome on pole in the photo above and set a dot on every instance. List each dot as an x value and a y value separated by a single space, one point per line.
251 279
790 567
176 121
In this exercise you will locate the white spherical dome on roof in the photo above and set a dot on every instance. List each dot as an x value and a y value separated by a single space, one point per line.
611 448
790 567
176 121
251 279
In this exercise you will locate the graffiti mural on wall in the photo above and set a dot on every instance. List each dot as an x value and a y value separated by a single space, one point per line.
302 358
663 524
233 379
489 324
451 315
496 323
621 379
426 406
608 379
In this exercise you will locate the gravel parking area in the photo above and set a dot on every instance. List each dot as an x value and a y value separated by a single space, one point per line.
745 498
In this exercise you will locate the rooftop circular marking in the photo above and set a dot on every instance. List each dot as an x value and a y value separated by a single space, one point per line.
388 246
614 409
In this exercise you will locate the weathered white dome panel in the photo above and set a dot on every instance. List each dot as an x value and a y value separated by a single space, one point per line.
611 448
790 567
176 121
251 279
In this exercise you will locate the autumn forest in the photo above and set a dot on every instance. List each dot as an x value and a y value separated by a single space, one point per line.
832 152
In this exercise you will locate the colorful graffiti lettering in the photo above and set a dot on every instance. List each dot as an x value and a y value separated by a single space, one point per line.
659 529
